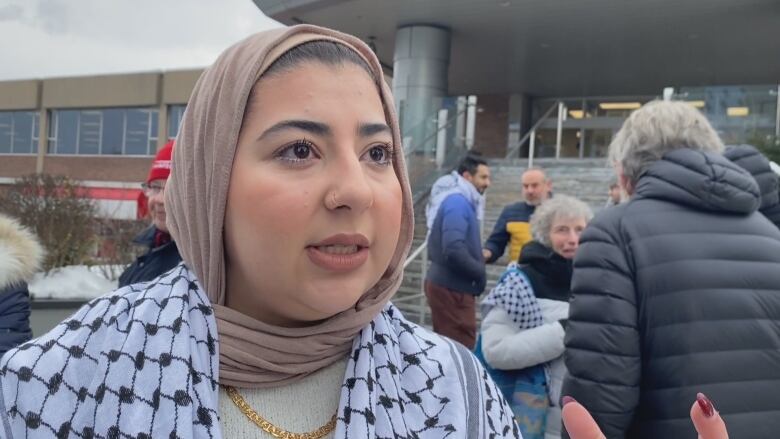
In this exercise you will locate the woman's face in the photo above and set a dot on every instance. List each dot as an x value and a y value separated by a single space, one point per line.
314 206
565 235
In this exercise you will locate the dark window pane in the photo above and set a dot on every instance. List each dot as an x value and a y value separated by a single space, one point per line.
175 114
6 125
137 132
67 131
22 132
113 130
89 132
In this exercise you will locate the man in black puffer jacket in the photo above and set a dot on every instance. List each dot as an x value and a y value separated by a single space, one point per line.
751 160
676 291
20 258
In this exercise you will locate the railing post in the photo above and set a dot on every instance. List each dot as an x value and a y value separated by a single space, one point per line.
441 138
460 123
559 131
668 93
423 274
777 115
531 148
471 121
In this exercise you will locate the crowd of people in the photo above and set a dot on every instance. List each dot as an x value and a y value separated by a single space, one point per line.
279 228
672 290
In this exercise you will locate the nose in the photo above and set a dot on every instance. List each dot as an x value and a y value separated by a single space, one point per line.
349 188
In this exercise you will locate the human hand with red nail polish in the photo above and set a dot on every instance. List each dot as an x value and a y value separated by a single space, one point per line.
707 420
580 425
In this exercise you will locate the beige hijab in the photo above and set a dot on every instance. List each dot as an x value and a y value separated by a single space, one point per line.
253 353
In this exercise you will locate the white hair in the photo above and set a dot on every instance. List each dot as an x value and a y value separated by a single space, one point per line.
559 206
657 128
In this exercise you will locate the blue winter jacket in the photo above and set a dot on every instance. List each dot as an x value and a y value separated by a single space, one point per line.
14 317
455 248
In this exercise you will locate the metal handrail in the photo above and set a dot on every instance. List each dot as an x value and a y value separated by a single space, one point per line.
422 307
415 253
452 119
515 149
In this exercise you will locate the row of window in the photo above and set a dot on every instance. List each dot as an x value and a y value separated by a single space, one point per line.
19 132
109 131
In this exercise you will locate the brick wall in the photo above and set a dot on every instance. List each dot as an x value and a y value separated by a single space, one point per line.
13 166
127 169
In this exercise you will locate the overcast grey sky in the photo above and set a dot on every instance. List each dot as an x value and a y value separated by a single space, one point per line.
45 38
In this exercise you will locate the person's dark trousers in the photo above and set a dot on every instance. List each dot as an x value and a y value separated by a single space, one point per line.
453 314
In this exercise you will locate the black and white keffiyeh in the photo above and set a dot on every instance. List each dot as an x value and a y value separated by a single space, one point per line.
143 362
404 381
140 362
513 293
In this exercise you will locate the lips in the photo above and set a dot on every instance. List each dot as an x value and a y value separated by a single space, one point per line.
339 253
569 252
338 249
344 239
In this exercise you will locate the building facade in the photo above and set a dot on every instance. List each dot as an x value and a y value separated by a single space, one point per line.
101 130
599 58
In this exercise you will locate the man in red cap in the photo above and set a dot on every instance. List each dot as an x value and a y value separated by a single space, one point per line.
163 253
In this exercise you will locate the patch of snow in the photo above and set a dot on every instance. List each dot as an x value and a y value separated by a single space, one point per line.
77 282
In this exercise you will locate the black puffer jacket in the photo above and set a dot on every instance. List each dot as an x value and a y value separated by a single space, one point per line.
677 292
156 261
14 317
751 160
20 258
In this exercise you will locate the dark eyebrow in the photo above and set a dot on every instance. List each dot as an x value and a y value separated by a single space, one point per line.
312 127
369 129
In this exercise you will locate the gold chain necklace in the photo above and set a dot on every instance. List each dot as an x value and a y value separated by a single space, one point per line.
271 428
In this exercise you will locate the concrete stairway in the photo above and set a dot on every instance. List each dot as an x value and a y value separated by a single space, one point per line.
586 179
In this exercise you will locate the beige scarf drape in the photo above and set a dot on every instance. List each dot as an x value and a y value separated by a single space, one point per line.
253 353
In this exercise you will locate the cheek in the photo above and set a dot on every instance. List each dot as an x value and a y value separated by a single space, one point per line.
156 204
388 202
266 217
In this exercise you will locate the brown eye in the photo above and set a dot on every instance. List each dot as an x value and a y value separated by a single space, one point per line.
380 155
301 151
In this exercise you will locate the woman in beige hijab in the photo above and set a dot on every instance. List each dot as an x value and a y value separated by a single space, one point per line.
290 203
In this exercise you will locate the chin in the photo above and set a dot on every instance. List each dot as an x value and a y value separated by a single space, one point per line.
332 297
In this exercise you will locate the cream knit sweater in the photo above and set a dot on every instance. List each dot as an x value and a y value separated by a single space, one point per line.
300 407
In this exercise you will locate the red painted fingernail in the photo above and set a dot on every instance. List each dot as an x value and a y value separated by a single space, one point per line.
567 399
705 404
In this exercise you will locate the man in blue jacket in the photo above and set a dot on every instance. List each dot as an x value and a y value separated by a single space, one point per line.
513 227
457 272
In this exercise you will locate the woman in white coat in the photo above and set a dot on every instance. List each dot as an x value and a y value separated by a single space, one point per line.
525 314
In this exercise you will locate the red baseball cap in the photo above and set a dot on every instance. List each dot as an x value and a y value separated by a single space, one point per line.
161 167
